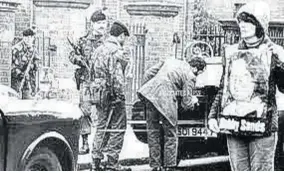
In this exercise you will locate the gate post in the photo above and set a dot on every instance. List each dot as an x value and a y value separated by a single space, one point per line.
58 19
137 53
159 19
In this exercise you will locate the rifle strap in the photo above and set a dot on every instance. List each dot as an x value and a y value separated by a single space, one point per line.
26 73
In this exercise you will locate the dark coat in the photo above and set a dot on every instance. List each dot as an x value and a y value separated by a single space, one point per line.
163 81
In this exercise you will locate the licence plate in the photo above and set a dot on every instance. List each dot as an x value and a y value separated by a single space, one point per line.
195 132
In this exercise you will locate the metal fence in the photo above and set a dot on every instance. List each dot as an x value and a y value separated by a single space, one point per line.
228 33
137 56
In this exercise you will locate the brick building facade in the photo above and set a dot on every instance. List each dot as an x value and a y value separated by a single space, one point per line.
55 27
161 28
55 20
225 9
68 22
159 43
23 17
7 33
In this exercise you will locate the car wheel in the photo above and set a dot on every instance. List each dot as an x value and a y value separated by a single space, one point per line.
138 113
43 159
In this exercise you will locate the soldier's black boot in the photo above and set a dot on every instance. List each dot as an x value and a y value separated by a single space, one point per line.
85 148
96 165
118 168
157 169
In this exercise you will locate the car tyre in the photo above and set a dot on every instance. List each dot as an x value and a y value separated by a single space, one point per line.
43 159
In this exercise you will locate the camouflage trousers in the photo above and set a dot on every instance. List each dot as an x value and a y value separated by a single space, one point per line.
163 149
252 154
86 121
110 132
27 93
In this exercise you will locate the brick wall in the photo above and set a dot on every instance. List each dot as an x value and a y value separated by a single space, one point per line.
23 17
58 23
224 9
7 30
166 27
159 38
113 7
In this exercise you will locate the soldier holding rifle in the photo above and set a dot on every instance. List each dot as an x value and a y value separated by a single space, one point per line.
81 56
25 65
110 68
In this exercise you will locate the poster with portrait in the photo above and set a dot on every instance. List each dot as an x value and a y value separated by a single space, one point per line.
245 93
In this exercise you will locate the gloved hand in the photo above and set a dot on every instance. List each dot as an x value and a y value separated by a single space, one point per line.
190 105
213 125
194 100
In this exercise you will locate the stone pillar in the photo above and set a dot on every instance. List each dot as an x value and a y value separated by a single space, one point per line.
23 18
159 17
58 19
7 33
7 20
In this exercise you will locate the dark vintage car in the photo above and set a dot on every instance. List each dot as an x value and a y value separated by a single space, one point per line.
37 134
195 139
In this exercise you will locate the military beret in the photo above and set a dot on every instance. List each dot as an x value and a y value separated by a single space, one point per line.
97 16
28 32
118 28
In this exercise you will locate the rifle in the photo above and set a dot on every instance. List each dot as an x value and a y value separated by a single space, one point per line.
78 50
26 74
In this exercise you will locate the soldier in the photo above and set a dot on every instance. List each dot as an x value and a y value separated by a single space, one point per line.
83 75
98 31
110 65
25 65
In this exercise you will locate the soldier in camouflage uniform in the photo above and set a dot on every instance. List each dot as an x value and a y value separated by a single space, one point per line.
98 31
110 65
23 80
84 74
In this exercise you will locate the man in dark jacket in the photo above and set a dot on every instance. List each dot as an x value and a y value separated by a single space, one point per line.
166 84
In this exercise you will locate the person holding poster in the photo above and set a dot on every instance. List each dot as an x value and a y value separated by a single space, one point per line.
245 106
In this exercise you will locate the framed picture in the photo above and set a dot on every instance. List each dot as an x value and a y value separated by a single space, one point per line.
245 93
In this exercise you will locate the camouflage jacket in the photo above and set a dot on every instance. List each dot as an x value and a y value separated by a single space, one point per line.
96 40
21 56
109 67
85 72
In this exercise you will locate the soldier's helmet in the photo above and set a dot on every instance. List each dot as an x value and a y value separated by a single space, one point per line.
98 15
28 32
118 28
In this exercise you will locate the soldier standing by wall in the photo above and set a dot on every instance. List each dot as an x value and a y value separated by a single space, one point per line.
84 75
110 69
25 65
98 31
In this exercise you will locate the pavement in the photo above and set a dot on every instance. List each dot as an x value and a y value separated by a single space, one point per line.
134 153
